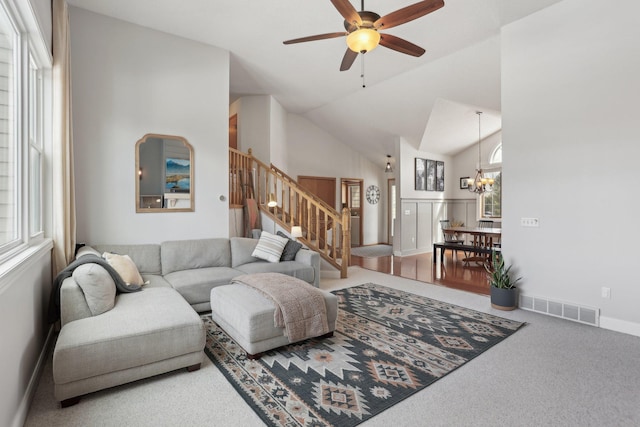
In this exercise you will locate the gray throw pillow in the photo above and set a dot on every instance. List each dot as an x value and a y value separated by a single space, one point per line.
98 287
290 250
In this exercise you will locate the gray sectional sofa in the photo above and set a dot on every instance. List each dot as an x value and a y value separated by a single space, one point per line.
157 329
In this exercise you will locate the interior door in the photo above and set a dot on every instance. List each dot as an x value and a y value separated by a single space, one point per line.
233 131
325 189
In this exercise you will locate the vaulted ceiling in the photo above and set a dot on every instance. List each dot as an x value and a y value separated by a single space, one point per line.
429 101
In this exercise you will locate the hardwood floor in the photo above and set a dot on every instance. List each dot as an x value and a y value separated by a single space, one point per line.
453 273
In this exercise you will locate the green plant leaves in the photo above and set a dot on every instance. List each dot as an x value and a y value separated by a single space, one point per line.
499 274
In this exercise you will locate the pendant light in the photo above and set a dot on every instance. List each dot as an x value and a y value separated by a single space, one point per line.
480 184
388 168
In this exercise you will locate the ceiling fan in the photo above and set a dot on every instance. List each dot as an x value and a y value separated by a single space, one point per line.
363 29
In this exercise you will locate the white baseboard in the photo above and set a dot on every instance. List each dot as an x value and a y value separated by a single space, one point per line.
618 325
25 403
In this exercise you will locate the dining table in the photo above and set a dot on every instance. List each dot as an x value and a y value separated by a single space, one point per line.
481 237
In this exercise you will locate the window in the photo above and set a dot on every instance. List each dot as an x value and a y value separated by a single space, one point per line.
491 203
36 147
9 147
22 136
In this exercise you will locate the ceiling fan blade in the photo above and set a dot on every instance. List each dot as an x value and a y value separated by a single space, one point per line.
347 60
347 10
408 13
400 45
316 37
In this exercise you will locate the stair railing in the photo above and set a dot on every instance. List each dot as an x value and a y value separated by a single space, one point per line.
324 229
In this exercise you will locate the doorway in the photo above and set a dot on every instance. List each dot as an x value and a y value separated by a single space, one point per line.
233 131
391 208
351 198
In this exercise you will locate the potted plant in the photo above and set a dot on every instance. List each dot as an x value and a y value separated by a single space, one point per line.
503 287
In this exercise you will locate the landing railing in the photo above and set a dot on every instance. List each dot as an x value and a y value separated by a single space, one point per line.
324 229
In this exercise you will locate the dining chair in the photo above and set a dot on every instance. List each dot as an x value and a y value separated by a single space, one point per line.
450 237
486 223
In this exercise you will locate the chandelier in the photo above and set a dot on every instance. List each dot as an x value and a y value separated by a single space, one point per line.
480 184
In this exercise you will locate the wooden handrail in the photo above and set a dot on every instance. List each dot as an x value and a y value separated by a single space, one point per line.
324 229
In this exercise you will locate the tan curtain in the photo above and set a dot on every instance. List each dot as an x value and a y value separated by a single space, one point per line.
64 207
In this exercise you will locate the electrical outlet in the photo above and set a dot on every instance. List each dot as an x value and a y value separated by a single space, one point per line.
606 292
529 222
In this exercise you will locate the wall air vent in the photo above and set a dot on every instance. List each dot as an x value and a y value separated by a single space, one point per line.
574 312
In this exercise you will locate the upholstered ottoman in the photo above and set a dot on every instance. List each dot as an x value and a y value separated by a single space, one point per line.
248 317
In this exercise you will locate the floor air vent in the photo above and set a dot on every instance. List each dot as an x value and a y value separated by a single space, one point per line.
577 313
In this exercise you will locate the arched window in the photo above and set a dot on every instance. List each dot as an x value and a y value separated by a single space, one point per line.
496 156
491 203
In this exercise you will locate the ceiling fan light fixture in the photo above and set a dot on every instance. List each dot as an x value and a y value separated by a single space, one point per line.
363 40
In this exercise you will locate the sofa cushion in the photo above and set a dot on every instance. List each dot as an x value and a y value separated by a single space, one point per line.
125 267
195 285
190 254
269 247
290 268
146 256
98 287
241 250
155 281
144 327
291 248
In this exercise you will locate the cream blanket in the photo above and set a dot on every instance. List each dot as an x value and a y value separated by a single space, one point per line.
300 307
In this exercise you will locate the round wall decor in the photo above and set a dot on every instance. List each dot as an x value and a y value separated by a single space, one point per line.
373 194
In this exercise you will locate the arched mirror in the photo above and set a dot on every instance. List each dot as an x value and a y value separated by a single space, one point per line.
164 174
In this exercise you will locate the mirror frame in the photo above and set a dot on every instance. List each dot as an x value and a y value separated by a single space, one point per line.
141 141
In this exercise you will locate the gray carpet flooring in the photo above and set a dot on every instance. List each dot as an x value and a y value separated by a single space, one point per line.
552 372
372 251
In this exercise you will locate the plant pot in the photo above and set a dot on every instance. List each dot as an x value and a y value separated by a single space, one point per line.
504 299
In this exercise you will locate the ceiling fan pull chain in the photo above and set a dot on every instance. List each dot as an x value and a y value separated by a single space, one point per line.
362 70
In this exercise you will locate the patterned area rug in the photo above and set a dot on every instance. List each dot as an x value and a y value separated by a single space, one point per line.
388 345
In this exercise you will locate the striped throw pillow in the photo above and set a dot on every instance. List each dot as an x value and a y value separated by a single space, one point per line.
269 247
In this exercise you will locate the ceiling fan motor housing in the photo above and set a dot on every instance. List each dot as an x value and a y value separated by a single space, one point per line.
368 18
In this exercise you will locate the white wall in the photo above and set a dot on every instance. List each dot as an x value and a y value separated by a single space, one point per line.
278 135
312 151
570 93
253 125
24 299
129 81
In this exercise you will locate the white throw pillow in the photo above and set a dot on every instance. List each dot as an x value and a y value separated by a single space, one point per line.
270 247
125 267
98 287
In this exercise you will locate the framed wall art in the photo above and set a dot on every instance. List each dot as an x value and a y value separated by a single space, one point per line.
420 174
464 183
439 176
431 175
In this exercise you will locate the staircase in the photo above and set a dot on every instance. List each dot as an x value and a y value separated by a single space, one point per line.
280 197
